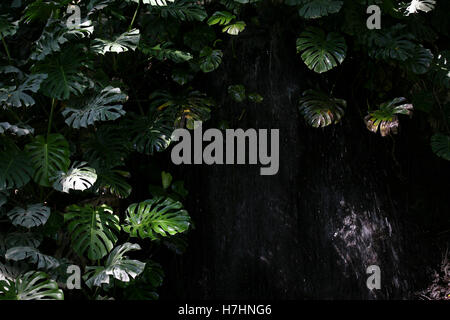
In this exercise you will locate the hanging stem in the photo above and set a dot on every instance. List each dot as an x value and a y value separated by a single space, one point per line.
134 16
51 116
6 49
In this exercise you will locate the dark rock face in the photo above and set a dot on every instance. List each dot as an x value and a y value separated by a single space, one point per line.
311 230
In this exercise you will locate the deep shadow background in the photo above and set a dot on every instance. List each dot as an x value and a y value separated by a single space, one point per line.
343 199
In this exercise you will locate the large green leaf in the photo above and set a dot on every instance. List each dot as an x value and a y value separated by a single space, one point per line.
144 286
32 216
420 61
234 28
117 266
65 74
15 169
313 9
56 34
104 106
321 110
33 285
79 177
184 10
152 133
440 144
113 182
221 18
23 239
394 43
94 230
126 41
48 156
155 218
210 59
31 255
319 51
20 96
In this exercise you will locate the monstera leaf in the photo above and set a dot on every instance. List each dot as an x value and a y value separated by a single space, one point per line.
319 51
234 28
313 9
321 110
34 215
420 5
126 41
19 96
144 286
48 155
79 177
32 255
420 61
15 129
102 107
33 285
21 239
152 133
113 182
440 144
65 74
155 218
183 10
163 51
55 34
117 266
221 18
15 169
210 59
185 107
385 118
237 92
7 26
94 230
394 43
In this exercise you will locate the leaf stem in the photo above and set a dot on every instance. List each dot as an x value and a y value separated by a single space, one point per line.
6 49
51 117
134 16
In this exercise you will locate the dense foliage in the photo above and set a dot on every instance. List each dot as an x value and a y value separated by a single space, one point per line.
75 109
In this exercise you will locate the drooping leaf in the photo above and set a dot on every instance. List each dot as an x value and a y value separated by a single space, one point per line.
20 96
48 155
17 130
94 230
313 9
79 177
104 106
234 28
126 41
210 59
421 60
117 266
321 110
15 169
31 255
155 218
184 10
33 285
420 5
440 144
23 239
113 182
65 74
385 117
55 34
152 133
319 51
221 18
32 216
